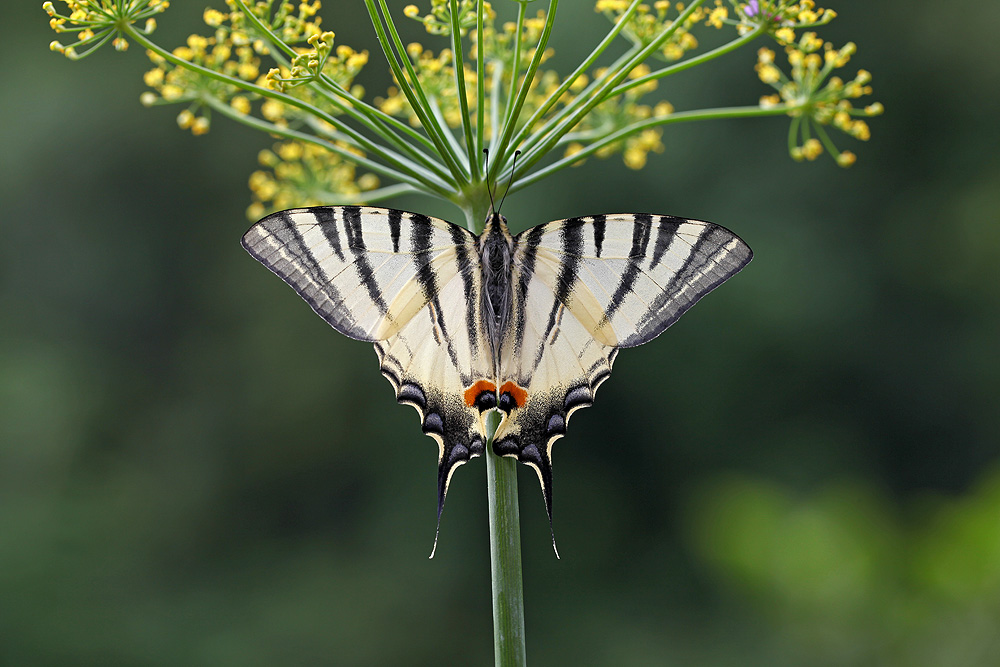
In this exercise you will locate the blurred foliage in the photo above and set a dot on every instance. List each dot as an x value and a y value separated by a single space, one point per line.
194 470
843 580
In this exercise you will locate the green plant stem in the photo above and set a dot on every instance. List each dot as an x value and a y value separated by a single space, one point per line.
542 141
409 85
577 73
480 82
505 555
411 173
690 62
390 129
514 111
505 528
623 133
288 133
461 92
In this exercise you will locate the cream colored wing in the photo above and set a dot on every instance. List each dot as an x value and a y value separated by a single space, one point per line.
582 288
410 284
364 270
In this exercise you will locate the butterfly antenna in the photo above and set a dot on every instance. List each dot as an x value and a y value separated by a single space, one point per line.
492 205
516 153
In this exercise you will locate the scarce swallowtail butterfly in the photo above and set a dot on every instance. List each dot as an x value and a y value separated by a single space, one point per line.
528 325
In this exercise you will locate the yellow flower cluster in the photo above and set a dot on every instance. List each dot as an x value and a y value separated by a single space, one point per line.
226 52
438 20
237 48
815 98
339 65
96 21
780 17
303 174
647 22
620 112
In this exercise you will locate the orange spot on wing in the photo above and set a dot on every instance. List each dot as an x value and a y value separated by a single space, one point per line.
473 392
519 394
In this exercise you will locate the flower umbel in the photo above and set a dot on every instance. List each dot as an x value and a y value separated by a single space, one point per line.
815 99
97 21
273 65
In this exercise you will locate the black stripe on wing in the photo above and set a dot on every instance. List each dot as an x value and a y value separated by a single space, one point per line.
277 243
347 247
448 423
715 257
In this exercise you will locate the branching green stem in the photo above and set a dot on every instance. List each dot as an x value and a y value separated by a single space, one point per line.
655 121
579 71
503 147
690 62
288 133
408 172
412 89
541 142
463 99
393 131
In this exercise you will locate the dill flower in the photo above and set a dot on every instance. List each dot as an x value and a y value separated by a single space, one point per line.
95 22
815 98
275 66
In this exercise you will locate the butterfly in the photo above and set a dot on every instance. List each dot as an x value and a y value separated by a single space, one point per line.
528 324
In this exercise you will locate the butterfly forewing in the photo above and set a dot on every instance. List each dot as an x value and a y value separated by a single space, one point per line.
641 272
364 270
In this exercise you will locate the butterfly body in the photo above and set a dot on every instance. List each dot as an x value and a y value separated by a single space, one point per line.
528 325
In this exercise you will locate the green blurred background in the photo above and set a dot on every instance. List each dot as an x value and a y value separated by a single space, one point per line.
196 470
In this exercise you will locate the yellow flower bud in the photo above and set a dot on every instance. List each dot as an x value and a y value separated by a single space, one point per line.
185 119
240 104
153 77
812 149
846 159
874 109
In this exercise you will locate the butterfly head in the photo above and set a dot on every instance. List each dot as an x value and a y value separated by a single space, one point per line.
496 224
494 220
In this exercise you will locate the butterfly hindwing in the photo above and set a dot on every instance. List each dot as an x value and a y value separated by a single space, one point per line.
552 366
583 288
409 284
431 363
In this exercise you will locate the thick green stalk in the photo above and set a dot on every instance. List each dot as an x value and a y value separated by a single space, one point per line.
505 555
505 531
